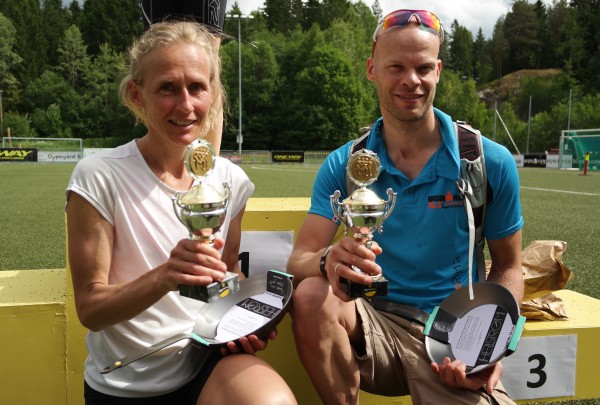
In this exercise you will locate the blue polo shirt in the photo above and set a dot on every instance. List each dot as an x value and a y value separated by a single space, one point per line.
425 240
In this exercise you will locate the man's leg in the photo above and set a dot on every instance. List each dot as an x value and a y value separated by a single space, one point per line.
323 327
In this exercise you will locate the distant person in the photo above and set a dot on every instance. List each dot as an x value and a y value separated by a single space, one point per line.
128 252
423 252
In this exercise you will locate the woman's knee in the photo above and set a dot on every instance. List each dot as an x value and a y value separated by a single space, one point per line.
235 378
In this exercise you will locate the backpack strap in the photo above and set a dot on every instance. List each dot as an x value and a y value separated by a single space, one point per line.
473 188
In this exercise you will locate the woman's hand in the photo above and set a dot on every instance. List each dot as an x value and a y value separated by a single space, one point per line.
251 344
193 262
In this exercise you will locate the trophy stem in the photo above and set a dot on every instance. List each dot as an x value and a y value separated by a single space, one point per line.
209 240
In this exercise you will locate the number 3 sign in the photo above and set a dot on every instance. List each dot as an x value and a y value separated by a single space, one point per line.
542 367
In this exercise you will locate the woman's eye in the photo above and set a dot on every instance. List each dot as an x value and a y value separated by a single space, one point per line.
196 88
167 88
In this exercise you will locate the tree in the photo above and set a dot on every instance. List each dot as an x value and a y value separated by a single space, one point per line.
45 90
279 15
587 14
498 50
260 86
73 60
115 22
54 24
482 66
30 41
521 30
457 97
326 117
49 123
461 50
9 62
19 124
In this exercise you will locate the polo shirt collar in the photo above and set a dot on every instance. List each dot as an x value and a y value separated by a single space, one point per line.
447 164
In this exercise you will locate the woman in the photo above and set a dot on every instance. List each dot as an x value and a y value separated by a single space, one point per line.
128 252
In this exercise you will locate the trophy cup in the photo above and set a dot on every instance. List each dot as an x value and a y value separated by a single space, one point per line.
362 213
202 210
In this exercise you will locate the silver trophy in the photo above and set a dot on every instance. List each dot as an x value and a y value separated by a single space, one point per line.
362 213
202 210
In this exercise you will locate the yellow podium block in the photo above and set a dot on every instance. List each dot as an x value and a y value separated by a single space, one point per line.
43 342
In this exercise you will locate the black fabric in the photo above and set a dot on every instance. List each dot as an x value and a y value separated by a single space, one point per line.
186 395
211 13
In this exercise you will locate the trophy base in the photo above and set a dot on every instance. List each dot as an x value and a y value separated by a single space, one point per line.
214 291
379 288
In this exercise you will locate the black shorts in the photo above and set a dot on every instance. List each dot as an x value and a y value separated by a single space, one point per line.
186 395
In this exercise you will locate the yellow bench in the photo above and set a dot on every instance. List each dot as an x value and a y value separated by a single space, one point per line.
43 344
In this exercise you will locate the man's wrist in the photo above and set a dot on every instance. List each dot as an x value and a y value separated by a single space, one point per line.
324 260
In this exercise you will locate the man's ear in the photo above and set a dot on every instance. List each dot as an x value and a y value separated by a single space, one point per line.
371 69
439 70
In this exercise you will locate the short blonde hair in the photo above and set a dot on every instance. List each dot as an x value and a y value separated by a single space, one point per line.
165 34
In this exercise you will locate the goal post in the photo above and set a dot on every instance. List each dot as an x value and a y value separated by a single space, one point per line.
575 144
49 150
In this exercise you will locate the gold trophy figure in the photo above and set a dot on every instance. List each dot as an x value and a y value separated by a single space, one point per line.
202 210
362 213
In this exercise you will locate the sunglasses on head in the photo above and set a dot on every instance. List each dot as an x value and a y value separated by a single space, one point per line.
399 18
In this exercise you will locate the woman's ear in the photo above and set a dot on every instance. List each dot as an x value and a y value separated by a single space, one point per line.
135 91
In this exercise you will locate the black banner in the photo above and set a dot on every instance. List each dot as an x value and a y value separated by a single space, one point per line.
287 156
18 155
534 160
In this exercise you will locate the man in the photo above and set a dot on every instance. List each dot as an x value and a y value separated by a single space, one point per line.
345 344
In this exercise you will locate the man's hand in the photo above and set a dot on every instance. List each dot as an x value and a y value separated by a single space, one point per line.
453 373
346 253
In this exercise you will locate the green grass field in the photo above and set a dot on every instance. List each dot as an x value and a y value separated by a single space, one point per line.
557 205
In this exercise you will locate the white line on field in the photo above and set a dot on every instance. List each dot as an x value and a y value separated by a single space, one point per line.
558 191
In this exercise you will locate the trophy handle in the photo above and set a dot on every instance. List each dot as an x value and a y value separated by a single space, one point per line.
336 207
177 207
389 207
227 188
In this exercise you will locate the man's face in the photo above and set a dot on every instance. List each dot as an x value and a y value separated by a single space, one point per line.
406 69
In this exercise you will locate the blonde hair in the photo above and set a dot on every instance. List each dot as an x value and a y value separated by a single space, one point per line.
165 34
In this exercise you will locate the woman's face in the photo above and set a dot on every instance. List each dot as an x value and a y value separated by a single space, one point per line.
175 92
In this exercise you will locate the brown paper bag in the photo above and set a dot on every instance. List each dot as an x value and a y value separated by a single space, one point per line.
543 269
543 273
545 308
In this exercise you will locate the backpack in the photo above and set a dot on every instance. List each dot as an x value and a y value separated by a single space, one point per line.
472 187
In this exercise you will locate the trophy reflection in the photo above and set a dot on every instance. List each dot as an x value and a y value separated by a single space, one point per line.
362 213
202 210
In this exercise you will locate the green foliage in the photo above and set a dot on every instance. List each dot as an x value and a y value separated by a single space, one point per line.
73 61
114 22
458 98
9 61
20 125
545 92
49 123
461 50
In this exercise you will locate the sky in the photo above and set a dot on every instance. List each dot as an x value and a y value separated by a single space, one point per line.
471 14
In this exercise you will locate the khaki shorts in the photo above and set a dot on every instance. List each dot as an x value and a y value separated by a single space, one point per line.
395 363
